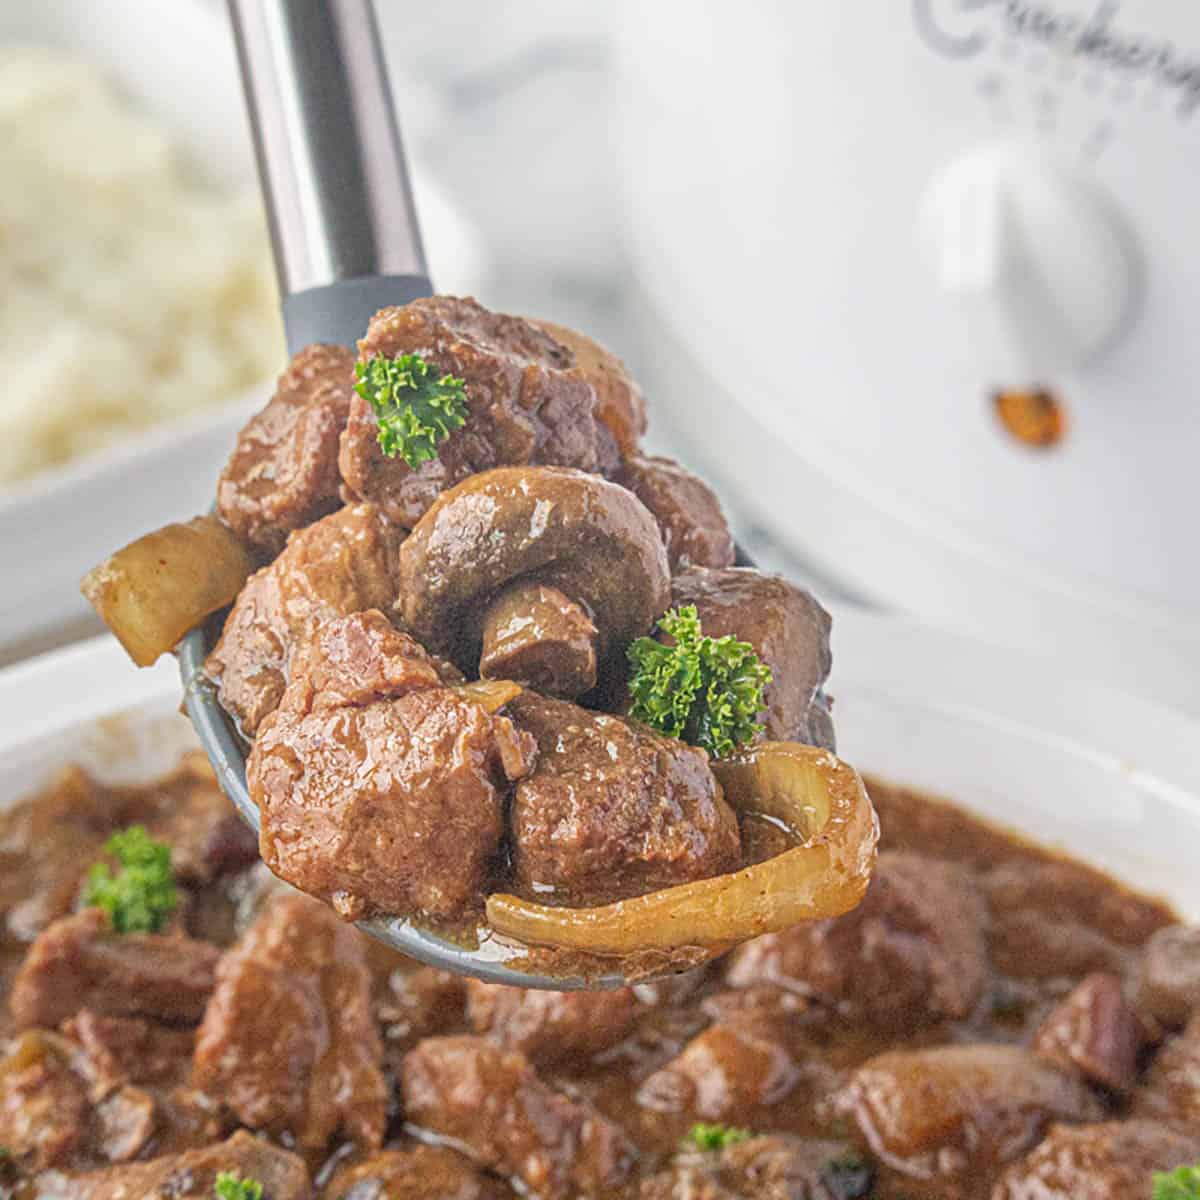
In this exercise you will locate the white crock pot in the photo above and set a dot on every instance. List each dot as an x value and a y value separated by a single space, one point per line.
852 224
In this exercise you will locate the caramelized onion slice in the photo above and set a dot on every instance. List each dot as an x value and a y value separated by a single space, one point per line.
151 592
817 796
491 694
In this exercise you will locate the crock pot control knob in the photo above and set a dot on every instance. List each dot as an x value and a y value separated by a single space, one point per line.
1037 253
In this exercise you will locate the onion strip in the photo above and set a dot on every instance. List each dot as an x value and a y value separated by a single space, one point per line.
818 797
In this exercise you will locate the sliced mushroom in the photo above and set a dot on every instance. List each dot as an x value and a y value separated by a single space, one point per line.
491 564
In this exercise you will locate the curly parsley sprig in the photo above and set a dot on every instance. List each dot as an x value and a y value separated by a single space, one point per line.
715 1137
141 895
707 691
1181 1184
416 410
230 1186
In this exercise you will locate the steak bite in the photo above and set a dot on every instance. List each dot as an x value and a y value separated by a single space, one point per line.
552 572
381 788
492 1104
526 403
722 1073
1115 1160
79 962
620 405
550 1027
913 951
957 1109
776 1167
288 1042
345 563
419 1173
283 472
1095 1031
789 631
613 809
189 1176
1171 1088
694 529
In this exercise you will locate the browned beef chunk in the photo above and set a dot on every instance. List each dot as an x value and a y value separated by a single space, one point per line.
1169 977
283 473
613 809
1094 1031
951 1110
789 631
1114 1160
913 950
686 508
721 1073
381 790
550 1027
527 403
289 1042
47 844
192 1174
491 1102
421 1173
1032 944
53 1108
619 402
419 1003
779 1167
79 962
345 563
1171 1089
187 810
118 1050
45 1114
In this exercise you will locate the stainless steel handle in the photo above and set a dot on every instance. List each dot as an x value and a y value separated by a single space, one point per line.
330 158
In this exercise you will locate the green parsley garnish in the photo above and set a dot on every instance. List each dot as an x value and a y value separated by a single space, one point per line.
229 1186
707 691
141 895
415 410
1181 1184
716 1137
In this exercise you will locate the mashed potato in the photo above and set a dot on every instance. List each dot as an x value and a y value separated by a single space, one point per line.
131 295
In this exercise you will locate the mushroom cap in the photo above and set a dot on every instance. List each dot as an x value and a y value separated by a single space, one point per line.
592 539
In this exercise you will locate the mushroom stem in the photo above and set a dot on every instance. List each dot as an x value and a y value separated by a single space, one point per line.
536 635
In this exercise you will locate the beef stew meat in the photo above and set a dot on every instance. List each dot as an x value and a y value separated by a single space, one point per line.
264 1037
342 564
527 403
789 631
283 473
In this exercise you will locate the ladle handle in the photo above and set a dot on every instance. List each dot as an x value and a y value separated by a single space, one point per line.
334 179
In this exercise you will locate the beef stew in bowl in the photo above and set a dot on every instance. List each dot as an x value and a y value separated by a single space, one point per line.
994 1021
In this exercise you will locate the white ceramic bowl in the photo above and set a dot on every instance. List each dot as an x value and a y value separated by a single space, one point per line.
1110 777
179 65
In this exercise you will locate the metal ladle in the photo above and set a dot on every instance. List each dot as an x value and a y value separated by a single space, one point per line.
346 242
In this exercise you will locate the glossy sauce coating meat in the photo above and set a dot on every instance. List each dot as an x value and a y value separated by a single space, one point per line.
789 631
612 809
343 564
380 787
913 950
283 473
688 512
491 1102
526 404
312 1027
288 1043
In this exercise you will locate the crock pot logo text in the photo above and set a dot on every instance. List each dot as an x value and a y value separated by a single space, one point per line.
966 28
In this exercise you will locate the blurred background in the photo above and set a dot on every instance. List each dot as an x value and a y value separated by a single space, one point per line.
914 288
